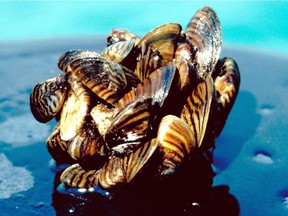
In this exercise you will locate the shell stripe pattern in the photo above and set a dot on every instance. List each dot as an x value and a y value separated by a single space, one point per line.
76 176
204 32
87 142
68 57
128 166
196 111
104 77
47 98
176 140
130 126
118 51
116 170
227 81
156 86
148 61
58 147
163 38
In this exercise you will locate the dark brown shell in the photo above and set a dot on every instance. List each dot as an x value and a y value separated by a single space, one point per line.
47 98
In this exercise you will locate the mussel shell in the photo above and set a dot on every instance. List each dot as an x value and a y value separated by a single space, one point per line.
156 86
58 147
197 110
116 171
226 80
120 170
88 146
68 57
163 38
185 63
47 98
102 76
118 51
118 35
204 33
76 176
102 116
148 61
130 126
75 110
176 140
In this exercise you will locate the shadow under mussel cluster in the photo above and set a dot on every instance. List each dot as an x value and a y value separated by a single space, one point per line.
188 192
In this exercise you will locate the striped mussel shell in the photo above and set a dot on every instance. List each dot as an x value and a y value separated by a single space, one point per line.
88 146
176 141
186 65
58 147
116 171
117 35
118 51
75 110
197 109
226 80
47 98
164 38
157 48
135 115
68 57
102 76
204 33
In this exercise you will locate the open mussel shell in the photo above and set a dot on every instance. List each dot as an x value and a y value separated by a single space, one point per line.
204 33
118 35
226 80
102 76
47 98
176 140
68 57
197 109
75 110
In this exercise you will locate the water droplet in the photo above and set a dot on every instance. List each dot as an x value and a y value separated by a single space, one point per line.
284 198
72 210
266 109
263 157
285 202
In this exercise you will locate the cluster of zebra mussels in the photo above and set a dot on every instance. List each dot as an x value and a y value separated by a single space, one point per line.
166 94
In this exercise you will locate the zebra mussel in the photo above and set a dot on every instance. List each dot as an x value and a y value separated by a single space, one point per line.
166 94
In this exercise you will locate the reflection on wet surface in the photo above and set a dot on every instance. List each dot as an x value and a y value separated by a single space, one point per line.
189 193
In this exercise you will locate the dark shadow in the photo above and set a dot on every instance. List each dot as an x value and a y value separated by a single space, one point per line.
240 126
190 192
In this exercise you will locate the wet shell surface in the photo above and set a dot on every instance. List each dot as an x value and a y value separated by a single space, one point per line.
143 103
